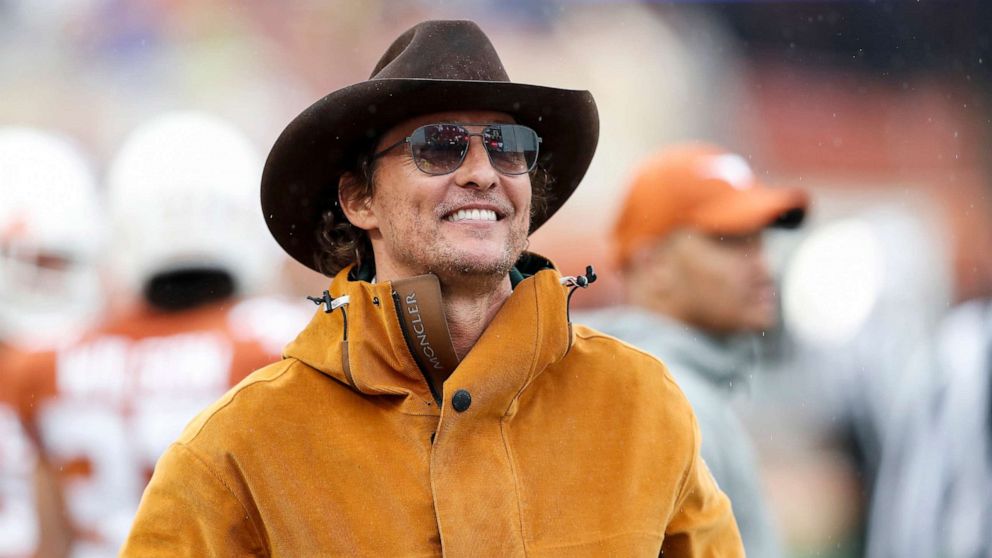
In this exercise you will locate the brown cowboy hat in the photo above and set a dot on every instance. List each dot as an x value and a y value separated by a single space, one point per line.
436 66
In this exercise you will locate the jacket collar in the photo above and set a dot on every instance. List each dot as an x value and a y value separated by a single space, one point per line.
371 355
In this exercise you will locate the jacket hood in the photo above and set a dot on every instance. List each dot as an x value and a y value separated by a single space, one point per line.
364 346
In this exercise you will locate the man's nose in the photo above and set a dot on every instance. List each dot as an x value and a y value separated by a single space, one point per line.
476 171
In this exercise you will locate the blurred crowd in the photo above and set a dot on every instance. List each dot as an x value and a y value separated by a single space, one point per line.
132 139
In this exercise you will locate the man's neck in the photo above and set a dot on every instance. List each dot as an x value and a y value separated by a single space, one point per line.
470 302
469 307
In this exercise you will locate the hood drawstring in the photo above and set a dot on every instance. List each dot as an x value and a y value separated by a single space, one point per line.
580 281
577 282
331 304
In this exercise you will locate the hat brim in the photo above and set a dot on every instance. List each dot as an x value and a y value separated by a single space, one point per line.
300 179
749 211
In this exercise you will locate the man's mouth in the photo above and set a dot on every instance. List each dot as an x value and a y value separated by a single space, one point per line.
472 215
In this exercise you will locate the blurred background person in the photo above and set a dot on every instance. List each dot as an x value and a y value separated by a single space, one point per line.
188 247
934 491
697 291
51 234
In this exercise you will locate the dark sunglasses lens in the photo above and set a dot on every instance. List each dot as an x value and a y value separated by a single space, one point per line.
512 148
438 148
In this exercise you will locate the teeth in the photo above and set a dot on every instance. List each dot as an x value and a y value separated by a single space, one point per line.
472 215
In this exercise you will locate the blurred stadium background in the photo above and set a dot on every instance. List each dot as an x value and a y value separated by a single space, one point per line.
883 110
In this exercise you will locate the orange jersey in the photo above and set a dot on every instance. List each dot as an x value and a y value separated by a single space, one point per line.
103 409
18 517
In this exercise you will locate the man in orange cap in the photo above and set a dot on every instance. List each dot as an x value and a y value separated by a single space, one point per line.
689 242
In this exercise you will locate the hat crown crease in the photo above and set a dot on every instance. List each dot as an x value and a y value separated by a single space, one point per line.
451 50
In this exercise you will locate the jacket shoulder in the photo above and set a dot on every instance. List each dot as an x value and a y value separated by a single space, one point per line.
245 401
595 345
614 364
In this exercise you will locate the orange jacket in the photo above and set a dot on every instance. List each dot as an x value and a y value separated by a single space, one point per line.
573 444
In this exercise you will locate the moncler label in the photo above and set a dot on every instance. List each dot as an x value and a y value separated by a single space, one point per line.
421 314
420 332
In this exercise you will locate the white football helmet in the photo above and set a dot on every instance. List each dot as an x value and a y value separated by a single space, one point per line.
183 195
51 235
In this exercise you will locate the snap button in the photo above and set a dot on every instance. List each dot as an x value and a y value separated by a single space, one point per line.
461 400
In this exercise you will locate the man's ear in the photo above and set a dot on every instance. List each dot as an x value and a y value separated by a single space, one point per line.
356 207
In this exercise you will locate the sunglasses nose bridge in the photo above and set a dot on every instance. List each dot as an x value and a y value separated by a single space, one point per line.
476 144
477 166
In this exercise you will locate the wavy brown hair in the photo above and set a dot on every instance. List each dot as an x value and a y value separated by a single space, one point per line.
342 244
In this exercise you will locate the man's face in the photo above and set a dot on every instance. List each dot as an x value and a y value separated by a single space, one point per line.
472 222
719 284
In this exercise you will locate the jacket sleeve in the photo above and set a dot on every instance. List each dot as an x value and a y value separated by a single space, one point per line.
703 524
188 510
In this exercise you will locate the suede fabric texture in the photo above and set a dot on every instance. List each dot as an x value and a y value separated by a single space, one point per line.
575 444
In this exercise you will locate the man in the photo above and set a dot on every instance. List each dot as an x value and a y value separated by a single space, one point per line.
50 234
188 245
439 402
689 242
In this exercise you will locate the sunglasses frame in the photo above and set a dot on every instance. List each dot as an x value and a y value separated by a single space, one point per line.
470 135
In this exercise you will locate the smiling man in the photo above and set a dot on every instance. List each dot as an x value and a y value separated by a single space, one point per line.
440 402
460 214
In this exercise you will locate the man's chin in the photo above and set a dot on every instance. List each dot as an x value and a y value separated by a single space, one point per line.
475 265
475 268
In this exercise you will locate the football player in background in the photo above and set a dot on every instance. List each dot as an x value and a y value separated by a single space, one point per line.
187 245
51 231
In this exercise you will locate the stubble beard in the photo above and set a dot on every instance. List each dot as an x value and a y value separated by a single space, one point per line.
455 265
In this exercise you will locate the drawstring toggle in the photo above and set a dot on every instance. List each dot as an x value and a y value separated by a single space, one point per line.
576 283
330 303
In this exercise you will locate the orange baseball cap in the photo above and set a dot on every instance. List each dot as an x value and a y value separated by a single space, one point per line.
705 187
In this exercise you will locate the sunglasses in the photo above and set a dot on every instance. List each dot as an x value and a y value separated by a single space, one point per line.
441 148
